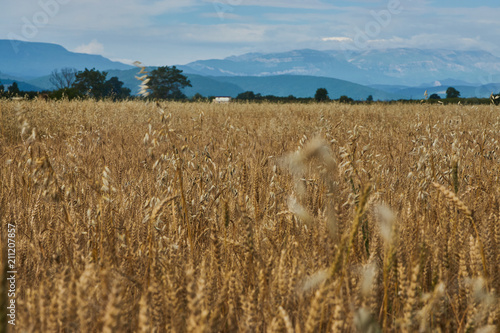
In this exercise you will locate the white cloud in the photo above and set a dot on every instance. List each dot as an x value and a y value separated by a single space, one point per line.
124 61
431 41
336 39
94 47
217 33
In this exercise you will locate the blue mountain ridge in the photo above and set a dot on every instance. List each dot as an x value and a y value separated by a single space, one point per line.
384 74
399 66
31 60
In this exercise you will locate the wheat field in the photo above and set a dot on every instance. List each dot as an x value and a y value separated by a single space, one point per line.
193 217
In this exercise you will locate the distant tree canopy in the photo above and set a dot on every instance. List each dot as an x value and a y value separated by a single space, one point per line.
246 96
69 93
114 88
321 95
63 78
166 83
345 99
14 89
251 96
434 96
369 98
93 83
452 93
199 98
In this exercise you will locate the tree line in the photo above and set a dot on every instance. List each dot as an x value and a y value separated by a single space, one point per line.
166 83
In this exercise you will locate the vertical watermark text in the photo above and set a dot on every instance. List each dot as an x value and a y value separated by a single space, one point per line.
11 273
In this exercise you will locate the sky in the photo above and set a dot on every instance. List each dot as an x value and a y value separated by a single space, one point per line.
168 32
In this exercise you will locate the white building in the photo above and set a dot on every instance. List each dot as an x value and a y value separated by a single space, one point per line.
222 99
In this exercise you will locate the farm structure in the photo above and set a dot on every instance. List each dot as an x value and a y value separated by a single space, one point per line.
222 99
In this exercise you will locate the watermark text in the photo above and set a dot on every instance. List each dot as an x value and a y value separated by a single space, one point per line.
11 273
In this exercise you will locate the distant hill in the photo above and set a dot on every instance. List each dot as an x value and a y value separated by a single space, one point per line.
5 77
7 80
279 85
401 66
300 62
482 91
30 60
284 85
23 86
304 86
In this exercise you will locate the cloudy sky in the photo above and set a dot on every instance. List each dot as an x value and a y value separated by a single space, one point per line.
169 32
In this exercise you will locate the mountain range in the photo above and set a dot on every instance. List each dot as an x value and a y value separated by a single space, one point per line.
31 60
384 74
403 66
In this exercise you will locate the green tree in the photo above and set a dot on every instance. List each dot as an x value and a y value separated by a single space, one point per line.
14 89
369 99
69 93
452 93
114 88
246 96
2 89
345 99
91 83
321 95
435 96
167 82
198 98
